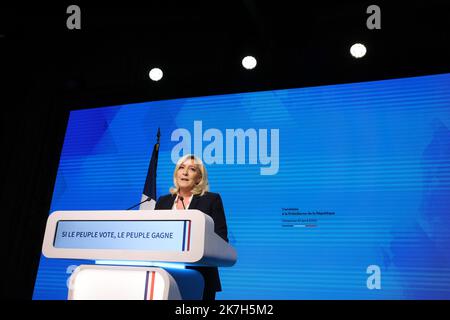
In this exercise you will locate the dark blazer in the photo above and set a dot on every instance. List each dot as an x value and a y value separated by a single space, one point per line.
211 204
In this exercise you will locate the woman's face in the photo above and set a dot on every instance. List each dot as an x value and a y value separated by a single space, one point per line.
188 175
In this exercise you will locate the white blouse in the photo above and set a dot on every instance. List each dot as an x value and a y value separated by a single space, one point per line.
186 204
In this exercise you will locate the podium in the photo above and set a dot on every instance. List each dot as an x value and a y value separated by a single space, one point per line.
139 255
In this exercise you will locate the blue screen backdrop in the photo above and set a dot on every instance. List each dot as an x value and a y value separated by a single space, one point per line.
354 204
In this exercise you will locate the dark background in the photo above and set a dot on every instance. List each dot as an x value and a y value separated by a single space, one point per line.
47 70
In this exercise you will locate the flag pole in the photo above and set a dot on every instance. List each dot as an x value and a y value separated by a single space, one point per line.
149 192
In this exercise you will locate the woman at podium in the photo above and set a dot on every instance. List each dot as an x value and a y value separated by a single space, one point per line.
191 191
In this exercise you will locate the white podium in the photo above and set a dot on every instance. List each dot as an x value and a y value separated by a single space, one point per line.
149 238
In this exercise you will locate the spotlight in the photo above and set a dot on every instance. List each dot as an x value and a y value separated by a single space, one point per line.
358 50
155 74
249 62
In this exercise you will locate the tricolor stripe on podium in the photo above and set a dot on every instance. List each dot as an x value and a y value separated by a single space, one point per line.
186 235
149 287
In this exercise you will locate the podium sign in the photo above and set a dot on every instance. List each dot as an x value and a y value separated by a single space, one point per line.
167 235
185 236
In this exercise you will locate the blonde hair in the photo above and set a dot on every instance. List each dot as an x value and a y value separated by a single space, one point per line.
202 186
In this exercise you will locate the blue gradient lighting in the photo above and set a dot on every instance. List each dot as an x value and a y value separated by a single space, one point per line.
357 208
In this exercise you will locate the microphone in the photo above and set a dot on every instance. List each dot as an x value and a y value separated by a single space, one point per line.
181 198
148 199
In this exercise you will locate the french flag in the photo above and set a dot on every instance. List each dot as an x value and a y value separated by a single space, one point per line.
149 194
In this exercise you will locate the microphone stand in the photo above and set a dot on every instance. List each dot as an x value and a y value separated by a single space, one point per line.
182 202
148 199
